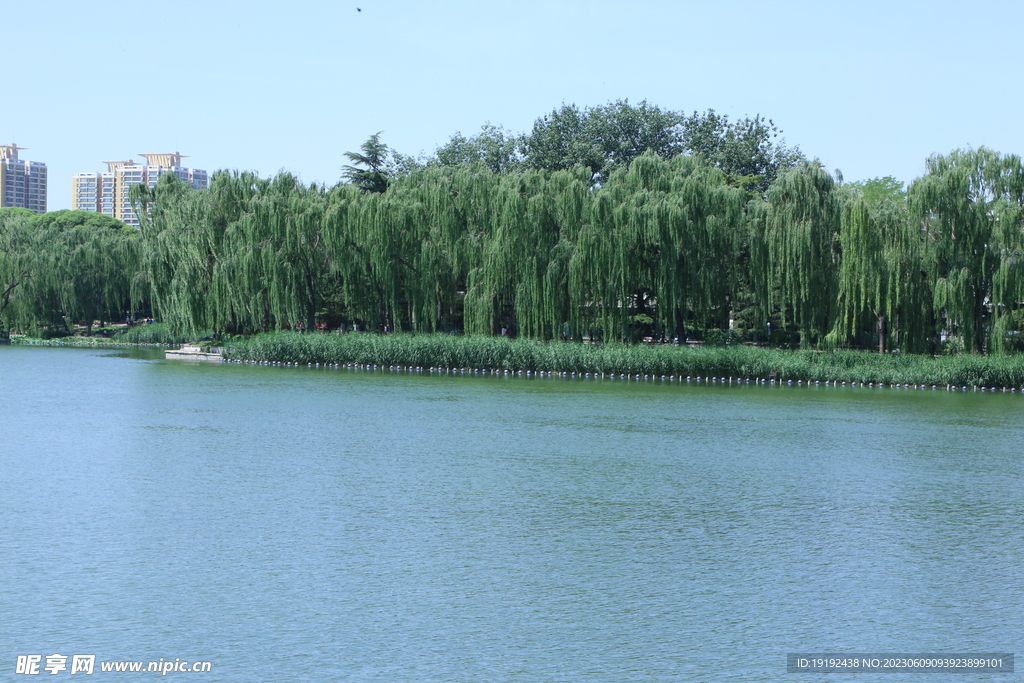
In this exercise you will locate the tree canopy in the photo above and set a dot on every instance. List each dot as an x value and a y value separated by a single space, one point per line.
369 173
63 267
619 222
970 205
493 147
608 137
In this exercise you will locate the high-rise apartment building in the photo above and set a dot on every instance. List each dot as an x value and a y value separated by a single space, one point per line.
107 193
22 183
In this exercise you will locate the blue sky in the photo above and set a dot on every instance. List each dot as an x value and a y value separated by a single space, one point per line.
872 88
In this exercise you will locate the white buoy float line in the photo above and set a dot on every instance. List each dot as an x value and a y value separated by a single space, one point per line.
637 377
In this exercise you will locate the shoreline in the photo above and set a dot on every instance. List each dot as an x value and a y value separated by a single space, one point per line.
86 342
550 374
440 354
482 355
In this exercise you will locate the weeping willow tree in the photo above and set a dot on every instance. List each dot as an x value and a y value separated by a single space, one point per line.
453 234
880 278
494 211
402 256
571 211
240 255
88 269
793 258
520 280
660 249
17 266
275 269
464 245
970 206
377 239
344 224
181 245
62 268
458 206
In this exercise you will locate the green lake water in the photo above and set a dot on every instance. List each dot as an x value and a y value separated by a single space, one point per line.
296 524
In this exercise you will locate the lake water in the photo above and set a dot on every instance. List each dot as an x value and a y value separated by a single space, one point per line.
331 525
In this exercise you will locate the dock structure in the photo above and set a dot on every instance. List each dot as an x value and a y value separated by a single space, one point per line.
192 352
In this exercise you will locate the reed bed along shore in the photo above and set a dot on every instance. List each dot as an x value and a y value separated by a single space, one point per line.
646 360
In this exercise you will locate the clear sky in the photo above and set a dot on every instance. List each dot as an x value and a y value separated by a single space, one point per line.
870 87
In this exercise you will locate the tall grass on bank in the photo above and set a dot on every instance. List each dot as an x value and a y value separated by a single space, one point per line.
498 353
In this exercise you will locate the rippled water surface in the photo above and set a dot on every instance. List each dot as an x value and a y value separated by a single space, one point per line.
331 525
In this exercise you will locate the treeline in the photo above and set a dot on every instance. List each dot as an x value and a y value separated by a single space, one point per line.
606 138
63 267
684 240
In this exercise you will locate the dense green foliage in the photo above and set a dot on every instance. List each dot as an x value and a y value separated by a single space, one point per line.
63 267
970 205
609 137
741 362
608 224
369 174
